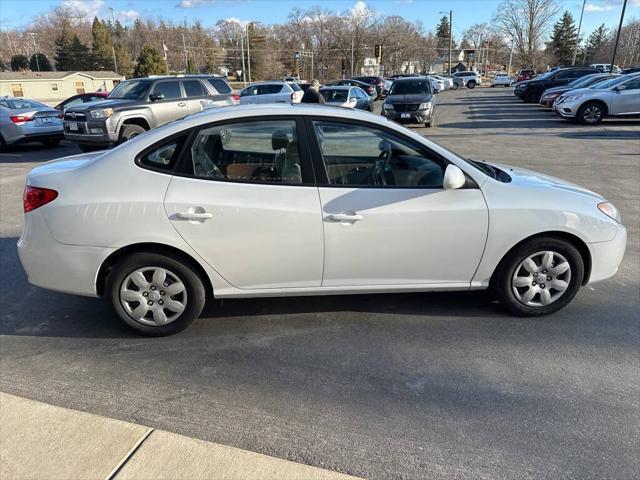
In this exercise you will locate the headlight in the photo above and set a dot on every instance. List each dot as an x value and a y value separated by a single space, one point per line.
609 210
425 106
103 113
573 97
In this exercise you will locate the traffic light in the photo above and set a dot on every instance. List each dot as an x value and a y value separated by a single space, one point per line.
378 52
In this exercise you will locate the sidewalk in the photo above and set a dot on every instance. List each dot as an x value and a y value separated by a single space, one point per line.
41 441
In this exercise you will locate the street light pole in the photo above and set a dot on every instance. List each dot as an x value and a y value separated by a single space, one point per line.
244 77
615 47
113 48
575 48
248 54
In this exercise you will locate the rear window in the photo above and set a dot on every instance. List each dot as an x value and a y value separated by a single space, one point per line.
20 104
220 85
162 156
295 87
331 95
193 88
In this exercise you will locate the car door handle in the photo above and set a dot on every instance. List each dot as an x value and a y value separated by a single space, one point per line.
344 217
193 215
182 104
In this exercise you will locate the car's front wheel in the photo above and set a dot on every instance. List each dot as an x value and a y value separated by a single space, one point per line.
154 294
130 131
591 113
454 86
539 277
471 84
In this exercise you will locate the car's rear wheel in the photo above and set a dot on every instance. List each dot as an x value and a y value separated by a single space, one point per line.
127 132
155 294
471 84
3 145
539 277
591 113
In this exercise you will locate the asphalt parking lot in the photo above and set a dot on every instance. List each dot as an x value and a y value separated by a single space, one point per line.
388 386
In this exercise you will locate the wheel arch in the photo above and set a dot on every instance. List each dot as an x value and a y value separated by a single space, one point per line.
574 240
149 247
600 102
138 120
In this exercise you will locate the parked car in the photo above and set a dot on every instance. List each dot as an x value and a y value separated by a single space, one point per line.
525 74
531 90
208 209
271 92
24 121
377 82
348 97
387 86
606 68
456 82
436 84
141 104
81 98
410 100
549 96
446 81
618 96
370 89
631 70
292 80
469 79
501 78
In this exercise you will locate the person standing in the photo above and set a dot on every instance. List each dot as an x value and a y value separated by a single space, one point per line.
312 95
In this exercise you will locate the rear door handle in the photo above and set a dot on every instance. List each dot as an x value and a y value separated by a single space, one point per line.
182 104
193 215
344 217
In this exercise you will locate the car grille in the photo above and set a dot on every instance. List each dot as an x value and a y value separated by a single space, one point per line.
75 117
406 107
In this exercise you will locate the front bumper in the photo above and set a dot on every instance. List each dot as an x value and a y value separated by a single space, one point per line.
94 132
567 109
56 266
607 256
547 101
419 116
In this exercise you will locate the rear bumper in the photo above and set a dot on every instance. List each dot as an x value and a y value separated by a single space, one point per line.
37 137
419 116
607 256
56 266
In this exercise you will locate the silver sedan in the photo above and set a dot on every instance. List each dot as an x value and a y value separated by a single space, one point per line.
24 121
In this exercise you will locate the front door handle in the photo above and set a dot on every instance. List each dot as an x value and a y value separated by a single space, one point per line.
182 104
344 217
193 215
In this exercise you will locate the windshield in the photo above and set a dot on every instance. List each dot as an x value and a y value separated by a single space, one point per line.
414 87
581 82
335 95
18 104
131 90
611 83
546 75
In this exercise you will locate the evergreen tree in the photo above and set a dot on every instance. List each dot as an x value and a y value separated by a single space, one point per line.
125 61
442 33
563 39
41 64
191 66
81 57
63 59
19 63
596 49
102 45
149 62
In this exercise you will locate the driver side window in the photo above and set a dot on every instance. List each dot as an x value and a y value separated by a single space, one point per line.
356 155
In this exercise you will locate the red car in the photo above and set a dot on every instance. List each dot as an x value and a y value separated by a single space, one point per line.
523 75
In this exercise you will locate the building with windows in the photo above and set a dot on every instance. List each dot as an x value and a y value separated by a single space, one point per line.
52 87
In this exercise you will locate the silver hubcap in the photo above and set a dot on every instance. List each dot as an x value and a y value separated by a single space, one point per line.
541 279
592 114
153 296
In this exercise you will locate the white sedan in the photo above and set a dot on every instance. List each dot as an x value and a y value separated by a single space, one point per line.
437 84
271 92
501 79
266 201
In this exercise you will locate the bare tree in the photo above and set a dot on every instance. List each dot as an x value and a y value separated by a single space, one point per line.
528 22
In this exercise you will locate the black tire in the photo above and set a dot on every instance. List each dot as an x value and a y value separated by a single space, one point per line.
591 113
3 145
127 132
471 84
194 288
428 124
532 96
454 86
502 280
51 143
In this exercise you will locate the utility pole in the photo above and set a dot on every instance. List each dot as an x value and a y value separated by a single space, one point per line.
35 48
575 48
113 48
244 77
186 54
615 47
352 57
450 37
513 40
248 54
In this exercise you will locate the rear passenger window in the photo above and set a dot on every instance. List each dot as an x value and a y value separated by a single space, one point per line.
193 88
220 85
163 156
258 151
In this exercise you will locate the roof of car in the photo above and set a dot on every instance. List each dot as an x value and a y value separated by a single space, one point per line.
338 87
270 82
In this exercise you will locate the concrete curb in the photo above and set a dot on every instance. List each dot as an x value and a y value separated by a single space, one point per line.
41 441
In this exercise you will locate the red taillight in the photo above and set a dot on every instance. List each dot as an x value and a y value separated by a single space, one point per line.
21 118
236 97
35 197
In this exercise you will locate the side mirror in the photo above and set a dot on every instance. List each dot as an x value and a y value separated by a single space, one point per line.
352 100
620 88
453 178
155 97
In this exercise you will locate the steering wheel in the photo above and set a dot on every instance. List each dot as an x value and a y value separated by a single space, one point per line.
379 167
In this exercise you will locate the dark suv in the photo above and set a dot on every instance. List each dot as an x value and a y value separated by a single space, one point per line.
140 104
531 90
377 82
410 100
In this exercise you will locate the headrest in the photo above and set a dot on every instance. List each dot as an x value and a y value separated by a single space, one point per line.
279 140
